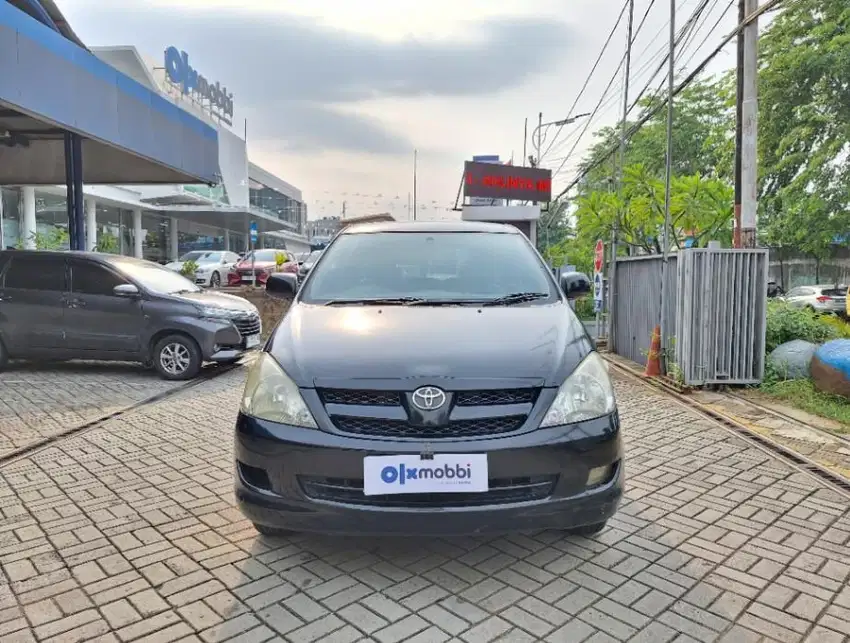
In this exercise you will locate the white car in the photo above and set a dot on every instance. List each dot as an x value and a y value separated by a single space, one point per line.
213 266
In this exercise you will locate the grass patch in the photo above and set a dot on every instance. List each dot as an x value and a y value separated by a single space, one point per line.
803 395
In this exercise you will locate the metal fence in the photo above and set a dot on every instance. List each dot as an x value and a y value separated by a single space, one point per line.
721 316
638 300
715 311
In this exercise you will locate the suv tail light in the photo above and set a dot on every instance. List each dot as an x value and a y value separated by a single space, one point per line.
823 299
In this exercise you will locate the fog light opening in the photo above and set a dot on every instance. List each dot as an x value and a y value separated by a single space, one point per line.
255 477
599 476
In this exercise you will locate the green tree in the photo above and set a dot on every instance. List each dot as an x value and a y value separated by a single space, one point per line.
804 126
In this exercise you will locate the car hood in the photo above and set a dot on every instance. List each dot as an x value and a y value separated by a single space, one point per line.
220 299
321 345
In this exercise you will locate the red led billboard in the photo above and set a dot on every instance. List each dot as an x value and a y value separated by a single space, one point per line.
491 181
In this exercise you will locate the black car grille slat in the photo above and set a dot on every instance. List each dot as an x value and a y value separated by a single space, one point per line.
495 397
402 429
357 397
502 491
247 325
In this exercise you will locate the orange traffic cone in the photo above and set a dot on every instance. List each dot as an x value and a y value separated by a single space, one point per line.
653 358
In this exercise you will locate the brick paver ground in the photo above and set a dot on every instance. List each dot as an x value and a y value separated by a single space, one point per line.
41 401
128 533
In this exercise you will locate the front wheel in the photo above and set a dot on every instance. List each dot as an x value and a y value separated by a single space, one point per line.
177 357
272 532
588 530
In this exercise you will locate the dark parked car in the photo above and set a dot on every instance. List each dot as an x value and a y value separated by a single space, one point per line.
429 378
81 305
306 265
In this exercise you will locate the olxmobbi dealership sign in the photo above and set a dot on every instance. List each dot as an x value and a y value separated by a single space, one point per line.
180 73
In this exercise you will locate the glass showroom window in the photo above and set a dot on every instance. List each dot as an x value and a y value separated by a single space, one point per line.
51 222
155 238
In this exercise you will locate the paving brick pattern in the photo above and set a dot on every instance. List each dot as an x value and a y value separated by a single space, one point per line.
128 533
38 402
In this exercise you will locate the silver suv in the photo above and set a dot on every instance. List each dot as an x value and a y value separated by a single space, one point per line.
821 299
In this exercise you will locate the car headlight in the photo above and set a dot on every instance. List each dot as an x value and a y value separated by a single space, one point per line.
586 394
270 394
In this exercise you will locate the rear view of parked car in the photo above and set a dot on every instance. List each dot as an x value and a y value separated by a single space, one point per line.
820 299
262 263
69 305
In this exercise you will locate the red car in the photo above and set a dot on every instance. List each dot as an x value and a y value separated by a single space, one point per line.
265 263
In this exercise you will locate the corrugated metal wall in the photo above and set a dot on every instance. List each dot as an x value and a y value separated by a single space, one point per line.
638 302
721 316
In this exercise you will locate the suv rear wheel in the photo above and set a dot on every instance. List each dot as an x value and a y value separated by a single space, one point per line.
177 357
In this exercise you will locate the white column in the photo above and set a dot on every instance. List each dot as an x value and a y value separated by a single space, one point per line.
28 227
227 240
137 234
91 224
173 249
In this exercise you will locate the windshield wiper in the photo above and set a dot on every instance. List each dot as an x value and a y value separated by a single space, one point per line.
378 301
515 298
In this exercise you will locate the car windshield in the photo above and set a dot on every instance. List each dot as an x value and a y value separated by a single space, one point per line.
263 255
210 257
195 255
440 266
155 278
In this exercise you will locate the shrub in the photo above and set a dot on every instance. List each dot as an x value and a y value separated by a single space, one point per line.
786 323
584 308
188 269
841 327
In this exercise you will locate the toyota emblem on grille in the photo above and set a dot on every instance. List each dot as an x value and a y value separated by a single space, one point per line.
428 398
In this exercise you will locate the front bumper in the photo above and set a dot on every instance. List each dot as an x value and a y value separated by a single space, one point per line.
311 480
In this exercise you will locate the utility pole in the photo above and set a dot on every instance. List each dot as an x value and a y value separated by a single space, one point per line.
749 126
615 231
539 138
525 143
739 121
415 162
665 239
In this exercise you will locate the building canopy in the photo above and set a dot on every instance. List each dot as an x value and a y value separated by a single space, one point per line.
130 134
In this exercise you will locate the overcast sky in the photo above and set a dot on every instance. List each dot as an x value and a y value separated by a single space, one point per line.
338 93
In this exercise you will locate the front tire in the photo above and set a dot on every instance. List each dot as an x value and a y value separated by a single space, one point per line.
272 532
177 357
588 530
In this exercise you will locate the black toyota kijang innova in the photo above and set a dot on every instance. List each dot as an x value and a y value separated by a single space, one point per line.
429 379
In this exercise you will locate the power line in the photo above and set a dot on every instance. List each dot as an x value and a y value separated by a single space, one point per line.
596 64
589 76
771 4
683 33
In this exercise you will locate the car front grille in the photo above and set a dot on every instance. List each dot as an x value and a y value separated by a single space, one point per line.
401 429
502 491
342 407
248 325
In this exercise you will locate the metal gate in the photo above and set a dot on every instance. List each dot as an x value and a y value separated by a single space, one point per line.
721 316
715 313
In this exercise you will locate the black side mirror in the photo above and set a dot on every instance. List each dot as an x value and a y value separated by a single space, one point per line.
575 284
282 285
126 290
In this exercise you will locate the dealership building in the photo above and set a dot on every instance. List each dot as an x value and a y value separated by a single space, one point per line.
184 183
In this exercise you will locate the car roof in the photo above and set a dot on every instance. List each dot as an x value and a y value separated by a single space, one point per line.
430 226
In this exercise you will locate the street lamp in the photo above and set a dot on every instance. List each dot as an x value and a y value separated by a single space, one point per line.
537 134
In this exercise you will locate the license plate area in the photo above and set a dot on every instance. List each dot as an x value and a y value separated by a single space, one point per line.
410 474
251 341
